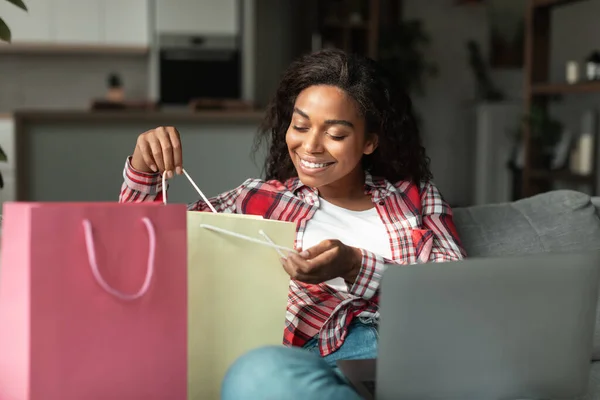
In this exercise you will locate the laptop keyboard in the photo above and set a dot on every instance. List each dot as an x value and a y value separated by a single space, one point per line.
370 385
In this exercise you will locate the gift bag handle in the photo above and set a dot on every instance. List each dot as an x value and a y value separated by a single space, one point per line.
164 189
89 242
267 242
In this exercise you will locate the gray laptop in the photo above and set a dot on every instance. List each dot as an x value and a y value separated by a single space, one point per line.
484 328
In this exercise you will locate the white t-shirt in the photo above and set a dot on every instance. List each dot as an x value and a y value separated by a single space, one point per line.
362 229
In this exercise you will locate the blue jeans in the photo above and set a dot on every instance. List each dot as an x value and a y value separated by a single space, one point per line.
293 373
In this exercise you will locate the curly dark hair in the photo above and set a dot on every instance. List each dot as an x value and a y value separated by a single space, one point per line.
387 110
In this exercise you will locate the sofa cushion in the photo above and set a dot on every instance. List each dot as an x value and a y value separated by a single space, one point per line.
555 221
561 220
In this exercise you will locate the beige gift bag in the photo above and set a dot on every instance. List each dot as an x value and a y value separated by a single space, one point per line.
237 291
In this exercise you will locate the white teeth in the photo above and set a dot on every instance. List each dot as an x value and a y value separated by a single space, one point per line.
312 165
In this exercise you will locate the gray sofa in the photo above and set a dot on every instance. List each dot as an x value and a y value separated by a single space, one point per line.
554 221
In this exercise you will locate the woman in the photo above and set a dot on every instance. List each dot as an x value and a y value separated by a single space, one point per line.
346 164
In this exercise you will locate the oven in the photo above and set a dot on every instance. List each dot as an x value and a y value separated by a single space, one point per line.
199 67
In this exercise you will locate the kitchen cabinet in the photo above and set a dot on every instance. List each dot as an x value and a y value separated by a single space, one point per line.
77 23
126 22
202 17
31 26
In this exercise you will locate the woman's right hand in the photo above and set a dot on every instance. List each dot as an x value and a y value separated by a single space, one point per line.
158 150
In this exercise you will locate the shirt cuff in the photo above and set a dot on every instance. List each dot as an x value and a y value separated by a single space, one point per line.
368 279
149 183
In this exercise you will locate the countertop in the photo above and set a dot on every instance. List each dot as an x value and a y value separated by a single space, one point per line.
166 117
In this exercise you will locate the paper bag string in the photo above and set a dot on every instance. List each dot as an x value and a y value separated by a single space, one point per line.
89 242
268 239
268 243
164 189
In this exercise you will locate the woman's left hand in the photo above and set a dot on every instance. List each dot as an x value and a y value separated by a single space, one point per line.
327 260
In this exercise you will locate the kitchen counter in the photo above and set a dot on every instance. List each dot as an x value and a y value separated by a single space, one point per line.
78 155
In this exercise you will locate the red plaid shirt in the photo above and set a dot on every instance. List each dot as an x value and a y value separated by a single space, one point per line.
418 221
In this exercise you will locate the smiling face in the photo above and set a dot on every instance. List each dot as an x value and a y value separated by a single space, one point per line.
326 140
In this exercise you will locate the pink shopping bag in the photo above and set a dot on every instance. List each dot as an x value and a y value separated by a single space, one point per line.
93 302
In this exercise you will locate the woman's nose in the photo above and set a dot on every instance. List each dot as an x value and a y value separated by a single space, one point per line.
312 142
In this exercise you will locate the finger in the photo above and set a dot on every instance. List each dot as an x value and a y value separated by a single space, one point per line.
156 151
177 152
146 153
289 268
325 258
294 269
305 271
339 262
319 248
167 150
299 264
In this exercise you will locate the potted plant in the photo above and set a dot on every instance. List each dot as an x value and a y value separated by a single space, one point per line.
401 52
545 133
5 36
401 48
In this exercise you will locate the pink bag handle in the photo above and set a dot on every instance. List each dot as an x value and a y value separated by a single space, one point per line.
89 243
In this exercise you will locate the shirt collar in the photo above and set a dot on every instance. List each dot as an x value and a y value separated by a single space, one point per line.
377 187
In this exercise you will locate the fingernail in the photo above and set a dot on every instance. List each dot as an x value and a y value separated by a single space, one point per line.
282 260
178 170
153 168
304 254
170 174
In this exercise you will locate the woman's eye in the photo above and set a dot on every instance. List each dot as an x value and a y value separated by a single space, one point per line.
300 128
334 137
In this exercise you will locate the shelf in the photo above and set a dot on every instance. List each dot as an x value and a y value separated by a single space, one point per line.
347 25
539 19
469 2
71 49
564 88
553 3
561 175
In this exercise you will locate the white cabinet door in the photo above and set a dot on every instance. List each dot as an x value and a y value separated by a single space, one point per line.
126 22
80 22
197 16
31 26
77 21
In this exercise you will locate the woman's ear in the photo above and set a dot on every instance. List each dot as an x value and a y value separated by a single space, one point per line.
371 143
